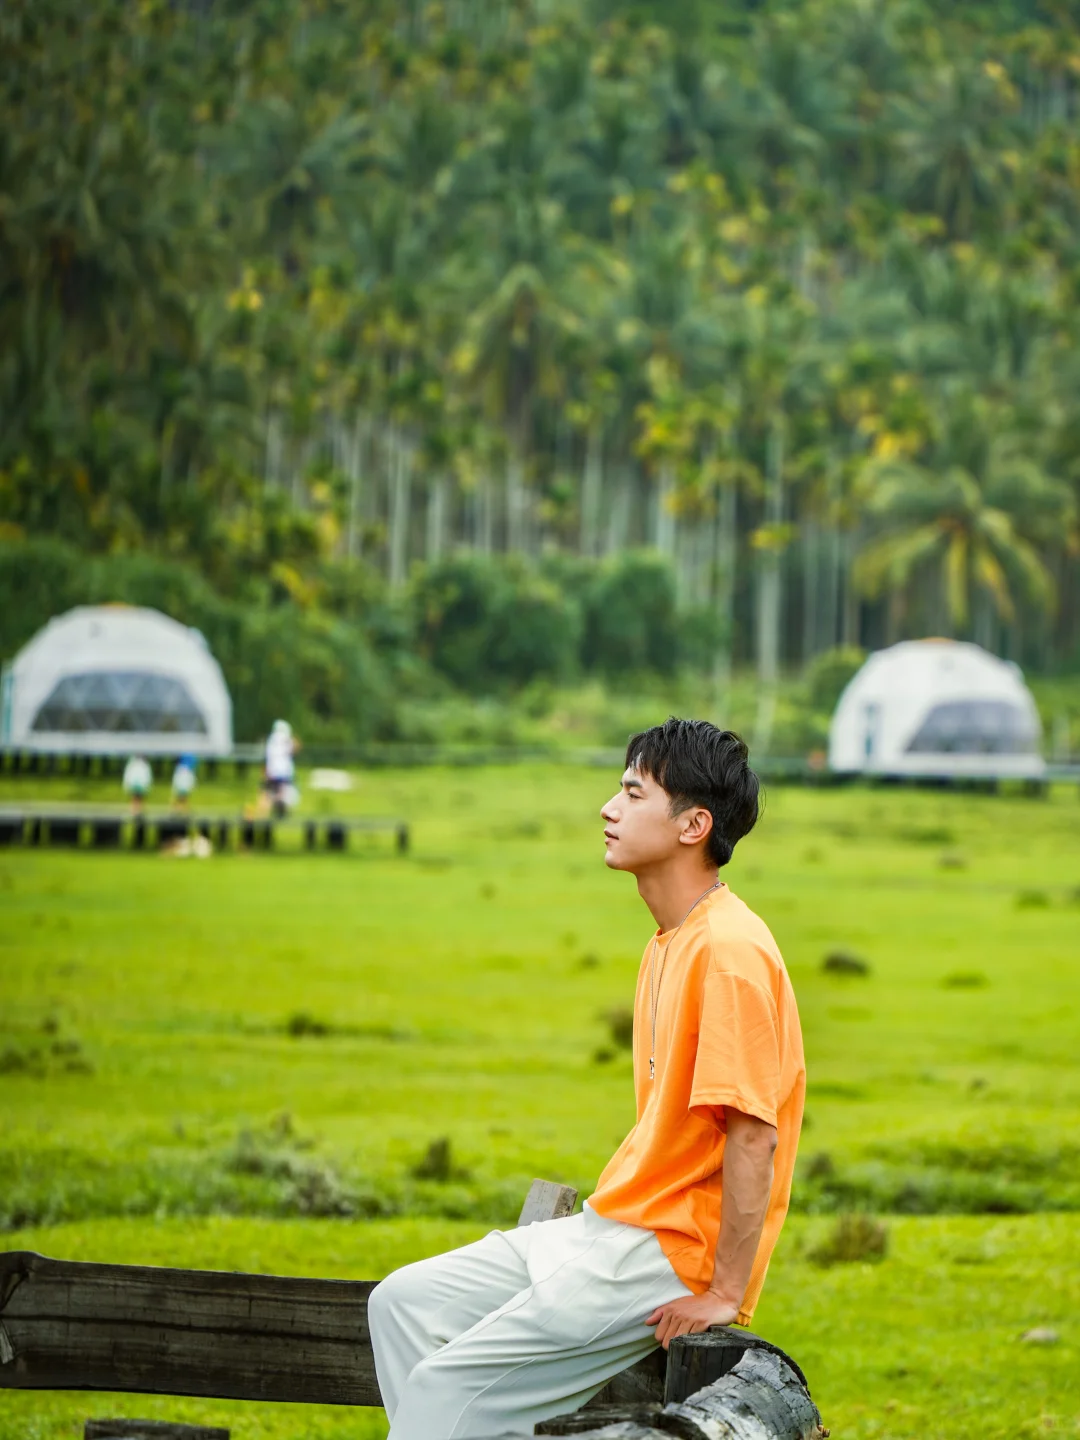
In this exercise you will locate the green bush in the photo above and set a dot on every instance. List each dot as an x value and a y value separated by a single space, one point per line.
631 624
38 579
489 623
828 674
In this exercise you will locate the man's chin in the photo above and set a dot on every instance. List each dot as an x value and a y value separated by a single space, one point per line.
612 861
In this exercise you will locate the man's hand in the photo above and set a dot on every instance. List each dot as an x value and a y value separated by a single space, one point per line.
690 1315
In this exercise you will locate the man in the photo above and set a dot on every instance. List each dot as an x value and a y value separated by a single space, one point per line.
530 1323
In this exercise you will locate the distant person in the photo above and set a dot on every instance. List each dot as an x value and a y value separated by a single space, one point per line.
280 772
530 1323
183 782
138 778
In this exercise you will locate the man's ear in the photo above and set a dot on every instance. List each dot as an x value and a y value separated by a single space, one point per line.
697 826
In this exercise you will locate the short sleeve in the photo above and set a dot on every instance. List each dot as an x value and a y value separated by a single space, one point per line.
738 1051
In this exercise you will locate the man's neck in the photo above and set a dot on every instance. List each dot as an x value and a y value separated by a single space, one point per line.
670 890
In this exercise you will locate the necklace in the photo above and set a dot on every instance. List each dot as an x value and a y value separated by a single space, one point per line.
654 993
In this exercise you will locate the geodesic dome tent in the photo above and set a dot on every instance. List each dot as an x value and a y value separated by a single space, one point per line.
116 678
936 707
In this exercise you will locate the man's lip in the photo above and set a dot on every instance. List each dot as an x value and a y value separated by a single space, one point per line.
610 835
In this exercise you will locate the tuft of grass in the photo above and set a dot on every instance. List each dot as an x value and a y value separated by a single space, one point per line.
926 834
1032 900
301 1024
843 962
437 1163
853 1237
952 860
965 980
620 1023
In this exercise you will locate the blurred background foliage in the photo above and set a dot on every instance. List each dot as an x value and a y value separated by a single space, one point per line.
423 351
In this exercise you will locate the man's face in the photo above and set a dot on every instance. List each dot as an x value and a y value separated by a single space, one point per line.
640 829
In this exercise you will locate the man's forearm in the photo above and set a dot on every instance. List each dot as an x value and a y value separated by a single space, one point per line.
748 1177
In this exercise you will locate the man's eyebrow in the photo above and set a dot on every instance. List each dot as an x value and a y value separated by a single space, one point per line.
632 782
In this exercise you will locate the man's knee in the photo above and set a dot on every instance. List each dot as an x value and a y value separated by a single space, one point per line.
387 1299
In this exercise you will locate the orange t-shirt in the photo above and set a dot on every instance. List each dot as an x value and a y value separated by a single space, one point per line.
727 1033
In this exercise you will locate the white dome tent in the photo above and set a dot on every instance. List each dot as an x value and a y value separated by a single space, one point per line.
936 708
108 679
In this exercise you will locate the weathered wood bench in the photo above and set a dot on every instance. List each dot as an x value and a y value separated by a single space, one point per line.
72 1325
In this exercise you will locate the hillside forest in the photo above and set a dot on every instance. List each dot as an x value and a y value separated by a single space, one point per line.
476 345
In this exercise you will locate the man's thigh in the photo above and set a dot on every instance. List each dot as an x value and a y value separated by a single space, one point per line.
547 1348
447 1294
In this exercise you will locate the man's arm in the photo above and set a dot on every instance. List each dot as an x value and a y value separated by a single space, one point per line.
748 1177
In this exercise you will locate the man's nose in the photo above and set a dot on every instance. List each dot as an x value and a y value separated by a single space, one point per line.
606 811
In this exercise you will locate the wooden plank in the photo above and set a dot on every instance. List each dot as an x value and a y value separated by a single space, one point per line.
547 1200
77 1326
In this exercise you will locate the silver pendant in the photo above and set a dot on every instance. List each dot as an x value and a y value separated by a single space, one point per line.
652 1068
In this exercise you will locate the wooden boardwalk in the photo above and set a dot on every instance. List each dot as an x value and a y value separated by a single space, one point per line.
104 827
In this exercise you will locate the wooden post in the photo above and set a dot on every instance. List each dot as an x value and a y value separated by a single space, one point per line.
547 1201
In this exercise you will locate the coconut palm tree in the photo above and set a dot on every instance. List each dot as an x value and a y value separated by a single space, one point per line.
970 529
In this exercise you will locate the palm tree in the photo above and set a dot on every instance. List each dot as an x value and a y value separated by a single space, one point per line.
964 529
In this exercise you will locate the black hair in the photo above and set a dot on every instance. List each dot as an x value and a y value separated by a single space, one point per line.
698 764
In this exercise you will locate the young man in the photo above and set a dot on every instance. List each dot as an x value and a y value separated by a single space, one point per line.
530 1323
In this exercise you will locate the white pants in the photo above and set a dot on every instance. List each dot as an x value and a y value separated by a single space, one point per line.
520 1326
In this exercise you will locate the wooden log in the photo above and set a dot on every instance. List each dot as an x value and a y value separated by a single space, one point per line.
695 1361
69 1325
591 1419
641 1384
117 1429
760 1398
665 1376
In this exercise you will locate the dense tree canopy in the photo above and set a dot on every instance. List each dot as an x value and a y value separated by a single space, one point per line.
787 291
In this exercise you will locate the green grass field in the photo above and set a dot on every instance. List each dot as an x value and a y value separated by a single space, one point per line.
241 1062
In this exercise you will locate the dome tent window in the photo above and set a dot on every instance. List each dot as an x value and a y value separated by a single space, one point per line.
975 727
116 679
121 702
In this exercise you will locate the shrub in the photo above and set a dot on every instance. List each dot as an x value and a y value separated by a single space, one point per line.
620 1023
842 962
852 1237
488 623
38 579
630 617
828 674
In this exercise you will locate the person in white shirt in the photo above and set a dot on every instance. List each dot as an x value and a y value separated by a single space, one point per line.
137 780
281 746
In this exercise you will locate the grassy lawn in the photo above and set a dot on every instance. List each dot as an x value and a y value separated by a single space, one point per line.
240 1062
